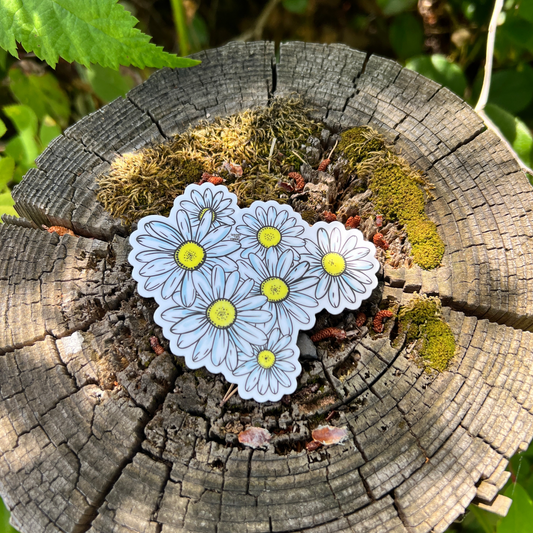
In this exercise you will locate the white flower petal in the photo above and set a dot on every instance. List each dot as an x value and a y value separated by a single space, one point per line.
263 382
155 243
323 286
323 241
334 293
336 240
252 379
172 283
158 266
184 225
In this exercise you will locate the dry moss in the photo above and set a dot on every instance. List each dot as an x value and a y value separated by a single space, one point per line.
421 321
147 182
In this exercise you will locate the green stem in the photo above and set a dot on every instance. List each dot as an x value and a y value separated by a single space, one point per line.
181 26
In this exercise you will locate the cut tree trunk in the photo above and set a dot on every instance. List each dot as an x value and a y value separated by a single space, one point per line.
99 434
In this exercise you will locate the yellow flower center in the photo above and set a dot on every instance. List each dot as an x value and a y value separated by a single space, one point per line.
221 313
204 211
275 289
266 358
334 264
190 256
269 236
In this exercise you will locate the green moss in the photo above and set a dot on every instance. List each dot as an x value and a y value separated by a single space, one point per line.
421 320
358 143
399 197
309 216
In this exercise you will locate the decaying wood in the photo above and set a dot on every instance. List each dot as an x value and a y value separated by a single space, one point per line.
100 434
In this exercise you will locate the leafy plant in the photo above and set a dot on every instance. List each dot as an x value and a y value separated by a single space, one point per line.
99 31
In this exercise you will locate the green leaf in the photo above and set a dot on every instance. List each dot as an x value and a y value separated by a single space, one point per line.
512 89
515 131
3 128
7 167
406 35
393 7
4 513
525 10
439 69
48 131
295 6
108 84
23 118
95 31
520 515
42 93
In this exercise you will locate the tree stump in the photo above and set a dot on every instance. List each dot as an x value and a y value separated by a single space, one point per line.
99 434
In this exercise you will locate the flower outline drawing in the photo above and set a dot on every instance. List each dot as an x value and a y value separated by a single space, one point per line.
235 286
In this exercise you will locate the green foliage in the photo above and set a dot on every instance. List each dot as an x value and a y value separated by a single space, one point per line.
5 527
437 68
42 93
107 83
515 131
518 82
99 31
394 7
295 6
406 35
520 516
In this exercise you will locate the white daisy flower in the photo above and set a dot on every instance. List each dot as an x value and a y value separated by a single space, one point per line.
221 321
270 370
168 260
270 230
287 288
336 257
206 201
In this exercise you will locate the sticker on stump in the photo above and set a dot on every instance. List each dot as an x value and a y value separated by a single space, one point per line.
235 286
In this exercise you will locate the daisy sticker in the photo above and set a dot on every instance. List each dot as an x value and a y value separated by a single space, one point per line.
168 259
270 226
344 263
219 205
286 286
222 319
270 370
235 286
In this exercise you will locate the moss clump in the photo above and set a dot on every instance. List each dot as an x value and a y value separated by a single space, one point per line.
147 182
421 321
359 143
398 195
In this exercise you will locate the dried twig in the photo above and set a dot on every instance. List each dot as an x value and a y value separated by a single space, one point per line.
484 95
231 391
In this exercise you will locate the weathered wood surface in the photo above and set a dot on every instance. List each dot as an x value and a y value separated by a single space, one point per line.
98 434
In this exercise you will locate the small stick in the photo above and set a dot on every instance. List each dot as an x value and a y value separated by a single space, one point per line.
231 391
332 150
271 151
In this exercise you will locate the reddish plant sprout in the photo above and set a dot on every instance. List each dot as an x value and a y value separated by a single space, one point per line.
378 320
60 230
205 177
328 333
324 165
328 435
360 319
353 222
298 180
156 347
379 221
215 180
255 437
329 216
380 242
